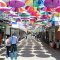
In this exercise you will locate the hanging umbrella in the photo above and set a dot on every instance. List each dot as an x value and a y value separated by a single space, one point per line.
3 4
40 3
29 2
24 15
57 9
12 15
21 9
45 17
15 3
47 9
34 14
5 8
29 9
51 3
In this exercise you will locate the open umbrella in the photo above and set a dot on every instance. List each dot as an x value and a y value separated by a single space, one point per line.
2 4
5 8
51 3
15 3
29 2
24 15
47 9
12 15
57 9
44 17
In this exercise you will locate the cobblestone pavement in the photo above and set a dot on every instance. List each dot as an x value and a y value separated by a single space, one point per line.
32 50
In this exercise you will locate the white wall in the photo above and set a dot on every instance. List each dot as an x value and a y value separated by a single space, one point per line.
8 30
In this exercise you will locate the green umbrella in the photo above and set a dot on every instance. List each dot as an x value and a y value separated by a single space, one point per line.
24 15
40 23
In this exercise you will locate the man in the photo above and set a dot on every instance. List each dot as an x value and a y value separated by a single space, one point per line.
13 40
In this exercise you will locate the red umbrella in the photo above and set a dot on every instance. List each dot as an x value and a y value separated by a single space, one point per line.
34 14
47 9
29 9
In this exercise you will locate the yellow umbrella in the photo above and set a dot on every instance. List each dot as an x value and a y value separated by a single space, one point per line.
29 2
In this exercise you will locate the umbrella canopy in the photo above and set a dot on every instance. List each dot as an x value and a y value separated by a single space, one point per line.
12 15
5 8
21 9
51 3
47 9
15 3
29 2
3 4
34 14
29 9
58 9
44 17
24 15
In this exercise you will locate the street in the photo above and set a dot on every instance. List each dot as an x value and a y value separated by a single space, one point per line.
33 50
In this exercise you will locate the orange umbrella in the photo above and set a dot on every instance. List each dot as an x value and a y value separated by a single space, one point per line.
21 9
3 4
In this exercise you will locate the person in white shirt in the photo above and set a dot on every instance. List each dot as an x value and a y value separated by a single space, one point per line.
7 42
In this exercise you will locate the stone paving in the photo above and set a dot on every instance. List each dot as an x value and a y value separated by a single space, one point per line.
33 50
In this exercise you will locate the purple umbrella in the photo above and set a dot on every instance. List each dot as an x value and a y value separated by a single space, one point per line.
51 3
15 3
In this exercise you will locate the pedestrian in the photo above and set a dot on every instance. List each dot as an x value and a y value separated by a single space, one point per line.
14 41
7 42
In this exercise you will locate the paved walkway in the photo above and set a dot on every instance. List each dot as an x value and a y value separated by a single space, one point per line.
33 50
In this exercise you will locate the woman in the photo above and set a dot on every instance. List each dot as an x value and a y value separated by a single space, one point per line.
8 45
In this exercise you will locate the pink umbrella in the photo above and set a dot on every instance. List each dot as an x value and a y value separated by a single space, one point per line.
5 8
44 17
15 3
47 9
51 3
57 9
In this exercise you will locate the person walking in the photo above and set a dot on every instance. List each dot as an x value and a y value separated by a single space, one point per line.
7 42
14 41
